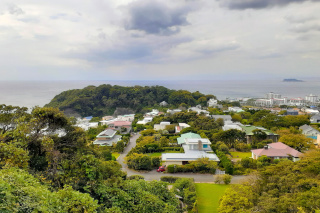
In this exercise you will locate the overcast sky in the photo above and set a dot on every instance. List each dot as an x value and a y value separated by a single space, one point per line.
159 40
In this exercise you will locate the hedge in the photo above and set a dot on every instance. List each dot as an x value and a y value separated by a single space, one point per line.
169 179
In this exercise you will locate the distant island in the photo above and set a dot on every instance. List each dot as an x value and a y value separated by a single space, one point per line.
292 80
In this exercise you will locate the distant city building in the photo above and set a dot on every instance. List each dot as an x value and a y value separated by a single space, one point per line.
311 98
272 95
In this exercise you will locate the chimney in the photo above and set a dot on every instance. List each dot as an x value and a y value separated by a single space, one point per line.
199 145
265 147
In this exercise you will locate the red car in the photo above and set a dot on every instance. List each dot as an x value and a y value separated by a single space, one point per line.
161 169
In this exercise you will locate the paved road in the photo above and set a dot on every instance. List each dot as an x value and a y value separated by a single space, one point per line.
154 175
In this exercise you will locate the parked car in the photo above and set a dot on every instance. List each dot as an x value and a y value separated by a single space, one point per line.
161 169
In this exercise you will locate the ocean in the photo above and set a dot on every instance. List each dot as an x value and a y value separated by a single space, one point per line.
39 93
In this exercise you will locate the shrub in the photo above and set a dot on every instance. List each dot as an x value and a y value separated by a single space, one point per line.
218 179
226 178
155 161
135 177
169 179
139 162
170 168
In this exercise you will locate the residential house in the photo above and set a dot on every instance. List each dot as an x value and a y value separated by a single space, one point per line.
229 126
163 104
161 126
235 109
153 113
226 118
173 111
129 117
277 150
107 118
309 130
315 119
249 133
145 120
182 139
181 127
292 112
194 149
212 102
107 138
121 126
311 111
199 110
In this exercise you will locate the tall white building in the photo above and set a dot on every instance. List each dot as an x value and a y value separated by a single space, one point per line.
311 98
272 95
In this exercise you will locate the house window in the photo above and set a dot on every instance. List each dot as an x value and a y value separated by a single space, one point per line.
205 146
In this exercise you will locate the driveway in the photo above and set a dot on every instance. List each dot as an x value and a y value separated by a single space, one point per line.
154 175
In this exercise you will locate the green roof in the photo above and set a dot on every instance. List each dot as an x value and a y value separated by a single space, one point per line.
187 135
248 130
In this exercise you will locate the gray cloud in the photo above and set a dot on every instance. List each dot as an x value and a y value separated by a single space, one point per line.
155 17
258 4
305 28
15 10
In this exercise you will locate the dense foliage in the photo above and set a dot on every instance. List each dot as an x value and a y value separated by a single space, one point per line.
104 99
48 165
283 187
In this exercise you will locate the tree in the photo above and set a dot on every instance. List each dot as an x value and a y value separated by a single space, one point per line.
297 141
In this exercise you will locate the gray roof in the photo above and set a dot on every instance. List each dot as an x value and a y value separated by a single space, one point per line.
224 117
316 116
107 132
115 139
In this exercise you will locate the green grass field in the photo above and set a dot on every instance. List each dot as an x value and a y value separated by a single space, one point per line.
240 154
208 196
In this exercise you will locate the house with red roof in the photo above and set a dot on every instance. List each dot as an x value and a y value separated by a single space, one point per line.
276 150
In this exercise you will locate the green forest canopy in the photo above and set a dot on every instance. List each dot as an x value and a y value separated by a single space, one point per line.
104 99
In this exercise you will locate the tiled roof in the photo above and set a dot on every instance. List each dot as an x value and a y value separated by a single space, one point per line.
121 123
277 150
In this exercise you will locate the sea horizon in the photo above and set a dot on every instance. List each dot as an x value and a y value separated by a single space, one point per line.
39 93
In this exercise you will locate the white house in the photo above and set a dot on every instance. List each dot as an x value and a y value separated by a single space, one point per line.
161 126
194 149
145 120
212 102
181 127
235 109
129 117
153 113
199 111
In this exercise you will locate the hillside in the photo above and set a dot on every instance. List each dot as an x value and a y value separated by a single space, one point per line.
105 99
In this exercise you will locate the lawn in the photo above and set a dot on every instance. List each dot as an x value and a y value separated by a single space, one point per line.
115 154
240 154
208 196
158 154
